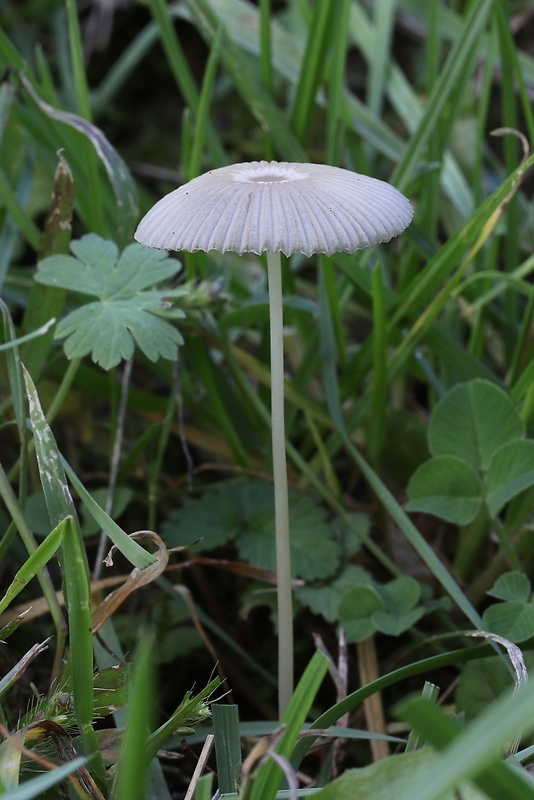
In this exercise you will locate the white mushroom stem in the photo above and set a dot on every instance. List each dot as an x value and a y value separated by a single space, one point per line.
281 505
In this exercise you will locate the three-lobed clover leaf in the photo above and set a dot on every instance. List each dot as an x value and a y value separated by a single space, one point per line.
128 311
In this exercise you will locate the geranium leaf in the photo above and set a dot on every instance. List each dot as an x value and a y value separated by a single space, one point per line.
245 512
314 551
129 312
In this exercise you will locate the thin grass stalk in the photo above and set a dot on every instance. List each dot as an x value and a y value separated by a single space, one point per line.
133 763
451 75
377 424
11 203
207 372
511 158
178 391
477 335
115 462
182 73
242 69
123 68
281 501
523 344
329 285
43 576
431 195
512 53
266 70
384 13
157 463
95 210
327 467
311 70
415 740
203 111
335 114
331 388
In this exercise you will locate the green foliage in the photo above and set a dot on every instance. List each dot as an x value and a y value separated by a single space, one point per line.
127 312
480 454
512 618
423 340
245 515
391 608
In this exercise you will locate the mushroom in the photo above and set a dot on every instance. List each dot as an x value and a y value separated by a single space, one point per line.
288 208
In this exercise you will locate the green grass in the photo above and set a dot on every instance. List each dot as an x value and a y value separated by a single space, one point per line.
406 91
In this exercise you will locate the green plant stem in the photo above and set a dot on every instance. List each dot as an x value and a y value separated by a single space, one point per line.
507 546
471 543
281 502
43 576
524 545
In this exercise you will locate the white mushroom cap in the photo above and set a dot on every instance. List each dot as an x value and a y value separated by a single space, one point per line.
276 207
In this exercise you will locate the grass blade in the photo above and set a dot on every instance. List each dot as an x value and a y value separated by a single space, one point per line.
133 763
473 754
33 564
227 746
270 775
311 69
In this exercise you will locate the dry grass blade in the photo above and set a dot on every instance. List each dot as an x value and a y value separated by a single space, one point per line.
201 763
518 663
135 580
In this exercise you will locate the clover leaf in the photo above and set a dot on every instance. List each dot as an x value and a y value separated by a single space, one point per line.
128 311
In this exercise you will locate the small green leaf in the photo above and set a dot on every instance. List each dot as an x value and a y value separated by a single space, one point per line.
447 487
472 421
511 470
325 599
512 586
513 621
401 594
387 608
395 624
356 610
128 311
33 564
